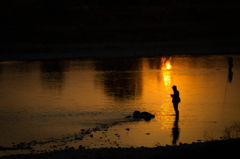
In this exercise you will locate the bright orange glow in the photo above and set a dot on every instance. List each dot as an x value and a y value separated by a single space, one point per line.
166 63
157 80
167 78
166 66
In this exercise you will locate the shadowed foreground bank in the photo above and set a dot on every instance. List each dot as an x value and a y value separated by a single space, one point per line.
211 149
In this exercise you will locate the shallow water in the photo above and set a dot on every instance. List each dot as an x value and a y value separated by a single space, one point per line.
56 104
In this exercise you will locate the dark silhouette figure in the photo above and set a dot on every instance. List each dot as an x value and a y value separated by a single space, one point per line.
230 73
175 130
175 99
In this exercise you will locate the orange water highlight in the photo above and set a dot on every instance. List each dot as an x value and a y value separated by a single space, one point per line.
166 67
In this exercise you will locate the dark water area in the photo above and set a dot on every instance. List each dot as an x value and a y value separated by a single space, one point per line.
53 104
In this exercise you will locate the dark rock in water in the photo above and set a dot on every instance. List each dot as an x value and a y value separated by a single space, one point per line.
143 115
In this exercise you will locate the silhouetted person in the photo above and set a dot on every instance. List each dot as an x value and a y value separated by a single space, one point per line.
175 130
175 99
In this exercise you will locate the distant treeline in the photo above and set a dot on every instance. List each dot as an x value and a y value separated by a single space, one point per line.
69 3
83 21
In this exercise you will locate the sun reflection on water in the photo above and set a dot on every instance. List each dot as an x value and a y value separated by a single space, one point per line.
157 80
165 67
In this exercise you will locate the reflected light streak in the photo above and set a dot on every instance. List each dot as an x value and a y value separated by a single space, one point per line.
165 67
168 65
156 91
167 78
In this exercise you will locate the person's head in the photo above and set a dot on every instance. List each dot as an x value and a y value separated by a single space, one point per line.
174 87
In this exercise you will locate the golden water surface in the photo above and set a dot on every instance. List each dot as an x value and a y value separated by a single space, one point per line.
56 99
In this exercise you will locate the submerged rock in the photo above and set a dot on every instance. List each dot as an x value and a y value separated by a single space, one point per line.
143 115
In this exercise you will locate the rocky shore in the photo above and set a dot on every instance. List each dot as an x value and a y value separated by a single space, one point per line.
210 149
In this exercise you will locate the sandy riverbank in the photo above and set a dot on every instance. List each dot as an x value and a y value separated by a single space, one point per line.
211 149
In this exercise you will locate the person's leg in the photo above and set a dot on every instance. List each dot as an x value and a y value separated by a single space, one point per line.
175 105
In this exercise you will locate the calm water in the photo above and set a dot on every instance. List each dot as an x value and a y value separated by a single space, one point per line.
49 103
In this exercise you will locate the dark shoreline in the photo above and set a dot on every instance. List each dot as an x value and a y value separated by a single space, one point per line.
210 149
39 31
28 51
33 31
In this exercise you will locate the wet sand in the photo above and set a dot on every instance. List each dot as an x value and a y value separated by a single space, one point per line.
210 149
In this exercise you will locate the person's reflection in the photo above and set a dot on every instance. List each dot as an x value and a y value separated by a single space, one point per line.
230 76
230 73
175 130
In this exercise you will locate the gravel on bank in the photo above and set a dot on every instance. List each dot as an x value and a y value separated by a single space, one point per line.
210 149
